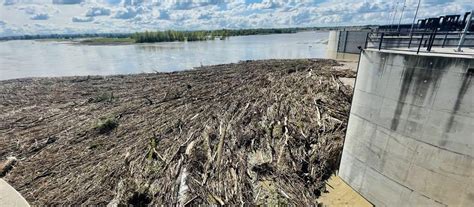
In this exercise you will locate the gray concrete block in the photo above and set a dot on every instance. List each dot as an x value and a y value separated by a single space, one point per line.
382 191
416 120
386 114
449 164
352 171
456 94
398 157
367 105
394 82
435 185
410 135
374 77
10 197
376 149
450 131
416 199
468 198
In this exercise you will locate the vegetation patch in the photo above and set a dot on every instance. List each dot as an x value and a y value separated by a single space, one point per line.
173 35
106 125
181 36
102 97
107 40
139 199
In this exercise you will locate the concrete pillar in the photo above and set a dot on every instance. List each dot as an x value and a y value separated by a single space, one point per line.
410 139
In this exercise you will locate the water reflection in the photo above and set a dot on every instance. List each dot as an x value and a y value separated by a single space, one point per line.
45 58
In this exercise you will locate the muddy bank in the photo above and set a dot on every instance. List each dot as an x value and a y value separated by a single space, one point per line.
254 132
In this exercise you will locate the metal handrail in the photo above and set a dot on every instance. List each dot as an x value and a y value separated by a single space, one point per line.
386 40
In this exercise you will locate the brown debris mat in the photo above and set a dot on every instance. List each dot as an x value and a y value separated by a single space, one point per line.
255 132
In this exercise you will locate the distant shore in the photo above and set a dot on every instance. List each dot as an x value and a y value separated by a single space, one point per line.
181 36
106 41
125 35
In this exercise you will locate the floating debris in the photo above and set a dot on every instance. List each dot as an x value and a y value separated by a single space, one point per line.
255 132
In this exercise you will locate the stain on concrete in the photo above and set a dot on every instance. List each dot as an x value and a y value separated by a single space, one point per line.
407 77
466 84
380 70
421 82
433 69
382 64
420 74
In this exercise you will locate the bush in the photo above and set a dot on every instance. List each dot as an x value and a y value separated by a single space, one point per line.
102 97
107 125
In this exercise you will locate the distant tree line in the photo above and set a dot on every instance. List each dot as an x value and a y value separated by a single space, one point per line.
66 36
172 35
169 36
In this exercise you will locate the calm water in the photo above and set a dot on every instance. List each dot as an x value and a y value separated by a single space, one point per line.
19 59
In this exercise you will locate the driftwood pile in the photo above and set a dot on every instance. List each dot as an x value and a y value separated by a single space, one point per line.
256 132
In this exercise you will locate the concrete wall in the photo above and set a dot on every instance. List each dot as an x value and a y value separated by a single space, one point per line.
333 41
332 47
346 41
410 138
10 197
350 40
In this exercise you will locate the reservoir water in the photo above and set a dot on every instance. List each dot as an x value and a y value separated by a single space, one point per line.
30 58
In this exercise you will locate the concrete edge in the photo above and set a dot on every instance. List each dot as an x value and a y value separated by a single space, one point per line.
10 197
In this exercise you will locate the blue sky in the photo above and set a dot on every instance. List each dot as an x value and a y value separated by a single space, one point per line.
19 17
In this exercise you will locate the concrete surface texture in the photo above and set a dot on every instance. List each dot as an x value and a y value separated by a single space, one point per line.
339 194
346 41
333 41
10 197
410 135
341 56
436 51
337 47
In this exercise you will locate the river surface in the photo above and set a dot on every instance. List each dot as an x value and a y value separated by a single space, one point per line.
30 58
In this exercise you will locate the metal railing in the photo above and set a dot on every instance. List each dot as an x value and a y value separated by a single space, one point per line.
419 40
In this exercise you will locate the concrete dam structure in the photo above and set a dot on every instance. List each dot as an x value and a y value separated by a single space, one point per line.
410 138
344 45
346 41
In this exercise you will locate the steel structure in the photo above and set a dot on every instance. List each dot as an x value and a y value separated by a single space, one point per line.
444 31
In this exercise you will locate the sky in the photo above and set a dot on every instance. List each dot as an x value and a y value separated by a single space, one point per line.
20 17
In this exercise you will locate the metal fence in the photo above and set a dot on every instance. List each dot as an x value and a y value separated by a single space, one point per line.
419 40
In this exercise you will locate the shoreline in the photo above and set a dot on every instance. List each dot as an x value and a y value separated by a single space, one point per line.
254 126
98 41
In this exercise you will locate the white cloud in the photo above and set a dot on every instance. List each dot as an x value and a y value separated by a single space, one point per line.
67 1
98 11
139 15
28 9
9 2
133 2
82 19
40 16
131 12
162 14
126 13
